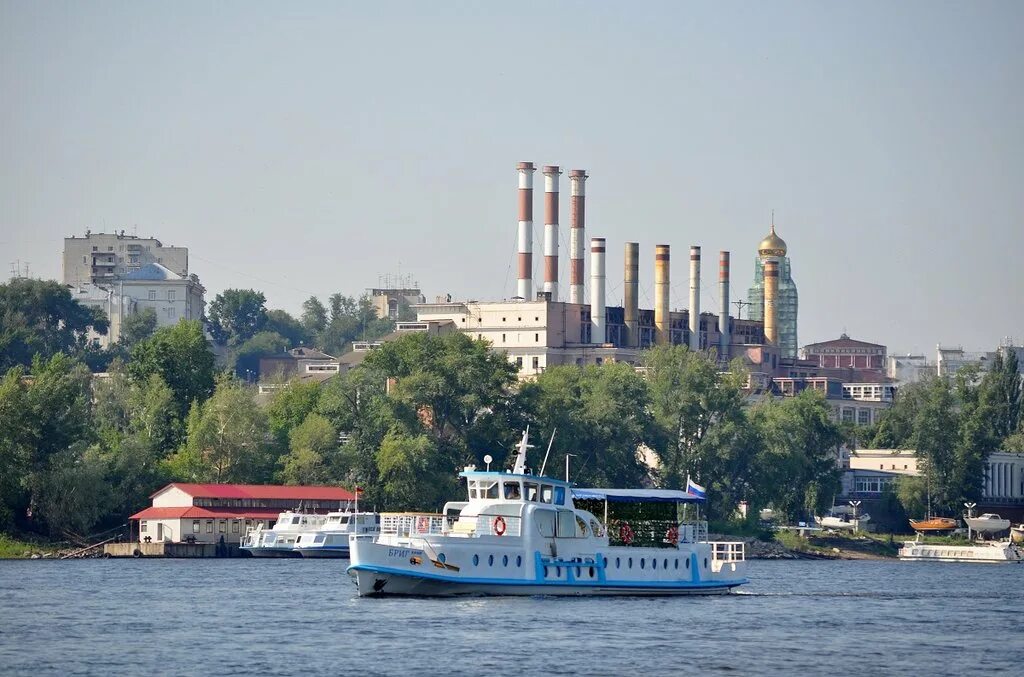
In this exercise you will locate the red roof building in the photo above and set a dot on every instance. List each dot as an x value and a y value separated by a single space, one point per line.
204 513
846 353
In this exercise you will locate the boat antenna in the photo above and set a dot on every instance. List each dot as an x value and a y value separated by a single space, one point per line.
520 466
546 453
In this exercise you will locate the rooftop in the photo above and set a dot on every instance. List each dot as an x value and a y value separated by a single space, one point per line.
261 491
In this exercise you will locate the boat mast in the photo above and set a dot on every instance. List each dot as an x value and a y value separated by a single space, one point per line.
520 466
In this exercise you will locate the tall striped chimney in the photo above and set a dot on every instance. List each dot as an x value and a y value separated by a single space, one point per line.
662 320
551 231
597 306
771 292
631 285
524 288
694 298
577 219
723 312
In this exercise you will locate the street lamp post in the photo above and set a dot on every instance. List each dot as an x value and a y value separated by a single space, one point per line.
970 513
856 524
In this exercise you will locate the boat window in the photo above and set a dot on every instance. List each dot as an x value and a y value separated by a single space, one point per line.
472 488
295 520
344 519
617 562
504 560
567 524
490 490
490 560
546 491
530 491
476 560
512 491
596 527
545 520
519 560
630 562
581 527
559 495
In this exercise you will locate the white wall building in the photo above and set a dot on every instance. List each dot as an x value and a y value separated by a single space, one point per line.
1004 478
174 297
115 306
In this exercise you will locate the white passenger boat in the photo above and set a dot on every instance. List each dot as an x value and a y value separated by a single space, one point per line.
842 518
980 551
279 540
524 534
988 523
331 539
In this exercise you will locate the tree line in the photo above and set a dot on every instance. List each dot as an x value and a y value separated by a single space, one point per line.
78 452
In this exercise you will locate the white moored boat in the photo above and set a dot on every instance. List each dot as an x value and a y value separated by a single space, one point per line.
331 539
842 518
980 551
279 540
988 523
524 534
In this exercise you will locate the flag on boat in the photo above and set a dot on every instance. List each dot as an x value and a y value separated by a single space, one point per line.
694 488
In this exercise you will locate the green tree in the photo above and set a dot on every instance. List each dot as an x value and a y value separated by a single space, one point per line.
236 315
138 327
71 491
280 322
181 356
226 439
41 317
797 469
602 417
1000 394
314 316
414 473
689 397
15 435
245 359
311 442
289 408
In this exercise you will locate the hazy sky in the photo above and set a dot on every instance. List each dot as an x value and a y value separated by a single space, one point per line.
308 148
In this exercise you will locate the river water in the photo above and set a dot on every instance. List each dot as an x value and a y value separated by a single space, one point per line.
299 617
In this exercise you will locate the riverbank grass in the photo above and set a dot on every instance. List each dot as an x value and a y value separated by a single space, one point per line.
12 548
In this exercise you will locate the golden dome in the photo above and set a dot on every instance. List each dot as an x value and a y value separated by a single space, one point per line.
772 245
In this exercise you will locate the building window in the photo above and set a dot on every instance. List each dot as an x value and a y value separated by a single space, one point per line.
133 259
142 524
221 526
863 416
234 526
110 248
152 294
536 338
519 362
502 338
95 249
209 526
195 526
536 363
84 259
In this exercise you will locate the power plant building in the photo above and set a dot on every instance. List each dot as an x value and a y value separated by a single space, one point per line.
774 301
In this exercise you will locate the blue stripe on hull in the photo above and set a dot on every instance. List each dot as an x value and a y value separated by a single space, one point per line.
663 587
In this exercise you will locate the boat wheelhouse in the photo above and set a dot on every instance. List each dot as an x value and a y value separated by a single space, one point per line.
525 534
331 539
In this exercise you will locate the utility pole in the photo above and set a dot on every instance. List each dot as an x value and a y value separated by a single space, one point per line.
740 305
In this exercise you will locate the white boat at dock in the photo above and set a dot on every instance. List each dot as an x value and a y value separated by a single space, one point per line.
279 540
525 534
988 523
979 551
331 539
843 518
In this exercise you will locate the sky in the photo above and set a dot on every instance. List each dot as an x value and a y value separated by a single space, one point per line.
312 148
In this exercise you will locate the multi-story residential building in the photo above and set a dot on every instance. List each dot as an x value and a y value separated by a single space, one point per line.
102 258
116 306
905 369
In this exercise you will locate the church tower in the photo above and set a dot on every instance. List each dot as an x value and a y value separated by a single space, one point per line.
775 303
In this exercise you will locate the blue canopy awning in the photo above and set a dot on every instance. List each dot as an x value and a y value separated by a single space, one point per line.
637 495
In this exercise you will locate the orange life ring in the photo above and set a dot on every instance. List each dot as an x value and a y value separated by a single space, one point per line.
672 535
499 525
626 533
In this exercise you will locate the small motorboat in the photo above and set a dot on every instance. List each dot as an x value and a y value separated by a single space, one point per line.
933 524
988 523
841 519
1017 533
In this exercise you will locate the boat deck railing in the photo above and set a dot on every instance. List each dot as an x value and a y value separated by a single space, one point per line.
728 551
650 533
412 523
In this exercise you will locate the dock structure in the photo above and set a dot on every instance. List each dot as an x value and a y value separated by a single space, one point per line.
169 549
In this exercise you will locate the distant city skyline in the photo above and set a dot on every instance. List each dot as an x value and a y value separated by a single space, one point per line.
311 149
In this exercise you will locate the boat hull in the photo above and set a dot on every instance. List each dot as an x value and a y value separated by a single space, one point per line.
935 524
983 554
377 582
987 526
270 552
323 553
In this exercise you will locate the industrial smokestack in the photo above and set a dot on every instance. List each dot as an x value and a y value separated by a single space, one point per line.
723 312
631 285
597 307
694 298
771 291
577 219
662 321
551 231
524 289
